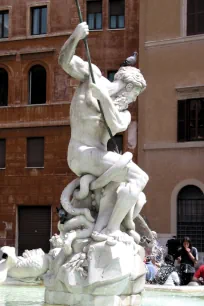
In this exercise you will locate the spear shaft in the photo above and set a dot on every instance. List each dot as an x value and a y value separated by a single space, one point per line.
93 78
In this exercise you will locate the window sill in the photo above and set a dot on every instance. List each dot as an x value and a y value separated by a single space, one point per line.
4 38
173 145
34 168
176 40
40 104
96 30
37 36
117 29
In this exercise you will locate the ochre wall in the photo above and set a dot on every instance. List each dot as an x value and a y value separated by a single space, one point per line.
169 62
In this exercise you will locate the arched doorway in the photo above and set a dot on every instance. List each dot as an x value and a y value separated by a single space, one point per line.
190 215
37 85
3 87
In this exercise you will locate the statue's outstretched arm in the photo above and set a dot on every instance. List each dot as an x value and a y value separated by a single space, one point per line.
72 64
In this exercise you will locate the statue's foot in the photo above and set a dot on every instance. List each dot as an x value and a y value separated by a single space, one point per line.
135 236
96 236
112 237
117 235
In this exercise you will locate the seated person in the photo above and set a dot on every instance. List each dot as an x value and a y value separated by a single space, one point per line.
151 271
199 275
167 274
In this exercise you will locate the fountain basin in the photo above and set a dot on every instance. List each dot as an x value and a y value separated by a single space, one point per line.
152 296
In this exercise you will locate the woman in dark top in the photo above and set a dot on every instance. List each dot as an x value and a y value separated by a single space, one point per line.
188 256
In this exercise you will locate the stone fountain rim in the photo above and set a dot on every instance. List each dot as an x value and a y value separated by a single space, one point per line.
187 290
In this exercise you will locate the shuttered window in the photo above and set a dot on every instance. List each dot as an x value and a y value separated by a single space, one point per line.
191 120
2 153
94 14
35 152
195 17
34 228
116 14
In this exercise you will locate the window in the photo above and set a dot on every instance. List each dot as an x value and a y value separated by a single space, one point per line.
195 17
4 24
191 120
190 212
2 153
117 14
94 14
35 152
37 85
111 75
3 87
39 20
119 141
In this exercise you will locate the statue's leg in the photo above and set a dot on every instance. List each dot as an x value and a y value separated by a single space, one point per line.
107 203
128 194
128 222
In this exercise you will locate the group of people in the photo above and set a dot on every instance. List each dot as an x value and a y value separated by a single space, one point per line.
184 273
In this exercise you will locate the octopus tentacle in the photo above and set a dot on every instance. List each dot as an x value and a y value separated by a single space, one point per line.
66 201
84 186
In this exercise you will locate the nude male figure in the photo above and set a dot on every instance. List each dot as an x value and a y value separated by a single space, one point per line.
87 151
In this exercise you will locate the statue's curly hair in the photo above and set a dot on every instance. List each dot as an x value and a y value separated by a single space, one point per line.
132 75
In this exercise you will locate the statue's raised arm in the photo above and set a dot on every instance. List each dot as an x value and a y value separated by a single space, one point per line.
72 64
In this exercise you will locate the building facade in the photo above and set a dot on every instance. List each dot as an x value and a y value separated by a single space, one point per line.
171 117
35 95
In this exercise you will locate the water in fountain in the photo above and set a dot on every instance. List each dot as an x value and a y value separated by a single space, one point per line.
34 296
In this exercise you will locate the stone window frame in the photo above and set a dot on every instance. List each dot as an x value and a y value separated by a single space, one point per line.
187 93
10 79
173 200
25 89
109 18
94 29
9 9
29 18
31 83
184 21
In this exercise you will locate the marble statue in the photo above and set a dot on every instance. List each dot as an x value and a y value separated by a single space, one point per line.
100 259
26 268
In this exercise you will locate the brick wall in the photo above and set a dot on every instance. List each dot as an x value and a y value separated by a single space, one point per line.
18 53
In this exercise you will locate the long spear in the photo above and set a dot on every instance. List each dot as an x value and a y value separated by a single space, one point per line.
93 78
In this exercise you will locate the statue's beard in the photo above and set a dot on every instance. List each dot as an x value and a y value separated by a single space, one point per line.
121 102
